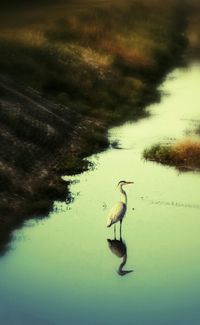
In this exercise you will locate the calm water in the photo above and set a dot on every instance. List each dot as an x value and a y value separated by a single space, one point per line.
61 270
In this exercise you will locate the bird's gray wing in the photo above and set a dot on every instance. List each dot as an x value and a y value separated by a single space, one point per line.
116 213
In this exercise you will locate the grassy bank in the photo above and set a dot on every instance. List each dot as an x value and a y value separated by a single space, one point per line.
87 71
100 62
184 155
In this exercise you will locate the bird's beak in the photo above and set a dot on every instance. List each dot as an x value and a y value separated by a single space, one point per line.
130 183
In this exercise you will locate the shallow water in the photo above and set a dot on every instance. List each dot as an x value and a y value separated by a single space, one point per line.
61 269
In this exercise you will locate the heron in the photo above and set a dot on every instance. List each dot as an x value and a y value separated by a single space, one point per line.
118 248
118 211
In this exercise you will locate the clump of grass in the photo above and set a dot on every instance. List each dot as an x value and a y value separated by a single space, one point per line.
183 154
159 153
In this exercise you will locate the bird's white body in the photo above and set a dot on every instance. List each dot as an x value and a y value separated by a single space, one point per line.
118 211
116 214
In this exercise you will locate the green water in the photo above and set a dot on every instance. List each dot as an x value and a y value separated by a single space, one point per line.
60 270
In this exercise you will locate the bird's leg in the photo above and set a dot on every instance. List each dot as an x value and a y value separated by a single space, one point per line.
115 231
120 229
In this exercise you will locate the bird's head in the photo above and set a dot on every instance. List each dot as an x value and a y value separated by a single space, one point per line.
124 183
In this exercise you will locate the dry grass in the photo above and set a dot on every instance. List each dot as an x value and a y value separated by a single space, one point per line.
183 154
87 58
187 152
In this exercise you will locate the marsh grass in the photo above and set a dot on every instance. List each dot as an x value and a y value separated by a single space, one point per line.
183 154
92 58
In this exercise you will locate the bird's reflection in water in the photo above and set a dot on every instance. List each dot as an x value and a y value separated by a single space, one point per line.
118 248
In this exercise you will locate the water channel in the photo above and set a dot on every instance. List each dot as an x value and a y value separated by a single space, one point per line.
67 268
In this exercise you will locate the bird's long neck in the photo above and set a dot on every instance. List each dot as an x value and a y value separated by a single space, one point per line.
120 269
123 195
